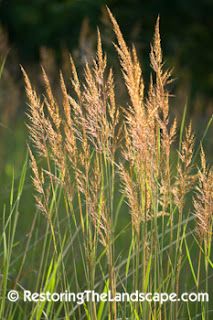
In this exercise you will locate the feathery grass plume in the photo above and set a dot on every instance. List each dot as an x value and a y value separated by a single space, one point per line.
137 132
53 130
68 126
97 206
94 96
42 196
162 78
98 104
40 127
158 101
57 153
164 172
36 118
135 114
113 112
77 102
203 200
130 190
66 102
44 131
185 178
142 116
70 145
37 178
50 102
130 67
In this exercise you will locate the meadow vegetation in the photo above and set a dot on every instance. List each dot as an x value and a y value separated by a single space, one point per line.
123 194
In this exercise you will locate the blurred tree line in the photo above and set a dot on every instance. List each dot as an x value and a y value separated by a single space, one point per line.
186 28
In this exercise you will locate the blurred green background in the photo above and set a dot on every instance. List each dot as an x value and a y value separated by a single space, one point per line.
45 31
186 26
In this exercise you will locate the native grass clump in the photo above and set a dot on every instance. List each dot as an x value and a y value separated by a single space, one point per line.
103 164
